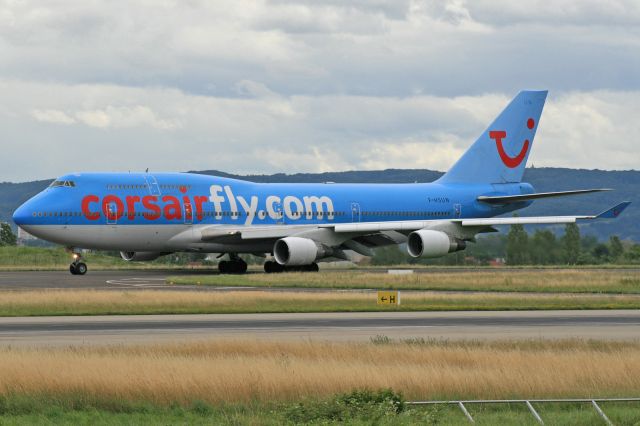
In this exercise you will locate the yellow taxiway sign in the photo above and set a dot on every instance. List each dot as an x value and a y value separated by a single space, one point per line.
388 298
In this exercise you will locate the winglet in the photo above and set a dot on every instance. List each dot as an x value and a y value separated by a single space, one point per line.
614 212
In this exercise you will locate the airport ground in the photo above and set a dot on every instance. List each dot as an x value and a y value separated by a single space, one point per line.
296 362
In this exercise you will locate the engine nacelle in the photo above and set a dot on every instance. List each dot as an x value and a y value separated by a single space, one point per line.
297 251
140 256
428 243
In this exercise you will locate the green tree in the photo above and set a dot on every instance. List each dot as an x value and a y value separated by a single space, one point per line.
615 248
517 245
633 254
571 243
601 253
543 248
7 237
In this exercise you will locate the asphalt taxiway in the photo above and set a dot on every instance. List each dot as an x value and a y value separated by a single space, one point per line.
602 324
153 279
34 280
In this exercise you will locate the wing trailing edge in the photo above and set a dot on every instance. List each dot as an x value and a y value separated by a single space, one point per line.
412 225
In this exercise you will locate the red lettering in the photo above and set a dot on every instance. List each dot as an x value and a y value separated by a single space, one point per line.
172 208
131 206
86 201
149 203
114 208
110 213
200 200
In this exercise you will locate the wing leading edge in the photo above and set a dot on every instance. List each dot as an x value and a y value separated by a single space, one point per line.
363 228
505 199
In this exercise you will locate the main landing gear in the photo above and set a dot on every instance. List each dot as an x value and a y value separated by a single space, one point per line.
234 266
77 267
271 267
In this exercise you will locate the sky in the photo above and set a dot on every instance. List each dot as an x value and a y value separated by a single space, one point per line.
307 86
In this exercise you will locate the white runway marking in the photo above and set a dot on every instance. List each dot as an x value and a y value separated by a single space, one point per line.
138 282
160 283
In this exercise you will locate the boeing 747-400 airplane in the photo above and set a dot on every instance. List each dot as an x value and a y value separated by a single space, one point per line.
147 215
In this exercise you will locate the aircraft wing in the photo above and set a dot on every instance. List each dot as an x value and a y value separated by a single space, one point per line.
413 225
362 235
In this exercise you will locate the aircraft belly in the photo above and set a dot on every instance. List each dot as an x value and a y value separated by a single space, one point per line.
115 237
138 238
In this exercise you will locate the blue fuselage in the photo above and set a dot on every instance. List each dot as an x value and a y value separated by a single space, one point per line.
192 199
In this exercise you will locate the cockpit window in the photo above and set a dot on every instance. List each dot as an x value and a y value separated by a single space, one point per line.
57 183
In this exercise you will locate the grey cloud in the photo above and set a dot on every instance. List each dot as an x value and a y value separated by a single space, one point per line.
591 13
262 86
446 48
121 128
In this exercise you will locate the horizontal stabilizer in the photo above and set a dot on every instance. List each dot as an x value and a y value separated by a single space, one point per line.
505 199
614 212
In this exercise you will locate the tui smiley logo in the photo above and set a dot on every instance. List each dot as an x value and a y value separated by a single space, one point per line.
499 135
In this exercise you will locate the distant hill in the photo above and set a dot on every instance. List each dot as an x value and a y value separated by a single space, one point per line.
625 183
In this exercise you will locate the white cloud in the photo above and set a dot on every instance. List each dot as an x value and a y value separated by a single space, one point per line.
379 48
166 129
125 116
52 116
301 85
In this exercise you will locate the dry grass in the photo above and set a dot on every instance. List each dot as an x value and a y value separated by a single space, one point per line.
244 371
103 302
543 280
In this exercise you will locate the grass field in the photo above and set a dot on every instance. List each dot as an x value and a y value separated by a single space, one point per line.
104 302
19 411
38 258
248 382
543 280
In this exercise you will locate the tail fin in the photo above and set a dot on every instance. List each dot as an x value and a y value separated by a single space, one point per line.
500 153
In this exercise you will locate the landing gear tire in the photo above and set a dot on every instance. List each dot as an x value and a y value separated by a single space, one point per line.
271 267
79 268
305 268
235 266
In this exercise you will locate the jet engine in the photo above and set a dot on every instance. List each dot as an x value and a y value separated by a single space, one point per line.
297 251
428 243
140 256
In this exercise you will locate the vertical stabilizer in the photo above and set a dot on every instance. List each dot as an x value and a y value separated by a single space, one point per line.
500 154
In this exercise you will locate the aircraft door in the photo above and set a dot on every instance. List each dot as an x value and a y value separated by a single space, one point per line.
277 208
188 213
152 183
355 212
112 214
457 210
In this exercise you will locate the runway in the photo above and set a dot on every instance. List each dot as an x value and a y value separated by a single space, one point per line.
40 280
37 331
122 280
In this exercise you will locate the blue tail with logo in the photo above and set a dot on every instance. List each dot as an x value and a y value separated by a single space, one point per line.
500 153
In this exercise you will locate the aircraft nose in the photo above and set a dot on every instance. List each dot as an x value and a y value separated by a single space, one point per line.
22 214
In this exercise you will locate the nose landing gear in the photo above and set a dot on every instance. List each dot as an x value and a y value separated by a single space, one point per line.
77 267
